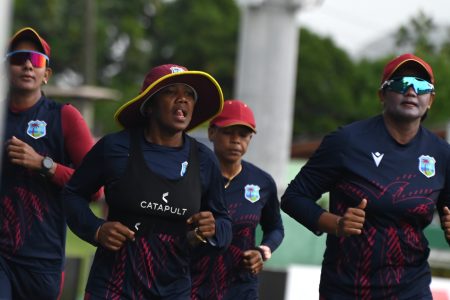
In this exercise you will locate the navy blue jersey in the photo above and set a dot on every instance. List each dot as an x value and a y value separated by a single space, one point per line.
402 185
251 199
32 231
163 270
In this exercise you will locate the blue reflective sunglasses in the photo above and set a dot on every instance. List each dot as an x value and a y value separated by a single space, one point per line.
402 84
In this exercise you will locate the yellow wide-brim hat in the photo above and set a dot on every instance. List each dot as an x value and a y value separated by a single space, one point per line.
207 89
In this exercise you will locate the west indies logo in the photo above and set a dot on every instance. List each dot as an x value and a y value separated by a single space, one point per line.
426 165
36 129
252 192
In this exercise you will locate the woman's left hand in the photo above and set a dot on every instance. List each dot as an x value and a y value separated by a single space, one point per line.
446 222
253 261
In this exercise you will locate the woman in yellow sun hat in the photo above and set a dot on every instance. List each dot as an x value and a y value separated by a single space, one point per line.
163 189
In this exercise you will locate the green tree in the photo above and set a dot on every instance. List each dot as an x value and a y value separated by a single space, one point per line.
201 34
417 35
333 90
120 31
132 36
324 94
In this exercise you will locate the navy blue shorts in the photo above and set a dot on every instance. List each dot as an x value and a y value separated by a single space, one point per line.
18 282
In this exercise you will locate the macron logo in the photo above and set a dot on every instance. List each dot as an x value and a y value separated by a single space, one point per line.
377 157
164 196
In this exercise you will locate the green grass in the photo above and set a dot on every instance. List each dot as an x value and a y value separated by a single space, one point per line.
79 249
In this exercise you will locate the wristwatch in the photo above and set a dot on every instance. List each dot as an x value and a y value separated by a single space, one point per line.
46 165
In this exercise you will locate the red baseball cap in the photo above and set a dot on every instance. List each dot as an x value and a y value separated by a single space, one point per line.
409 58
235 112
208 93
29 34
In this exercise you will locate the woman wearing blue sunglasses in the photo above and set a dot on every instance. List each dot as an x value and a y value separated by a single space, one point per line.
385 177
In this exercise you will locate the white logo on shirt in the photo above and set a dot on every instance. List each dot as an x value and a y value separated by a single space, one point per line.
377 157
183 168
164 196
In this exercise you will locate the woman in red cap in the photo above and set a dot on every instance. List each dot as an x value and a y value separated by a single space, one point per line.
44 141
251 198
385 177
163 189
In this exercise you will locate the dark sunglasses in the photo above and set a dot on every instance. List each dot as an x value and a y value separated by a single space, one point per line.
19 57
402 84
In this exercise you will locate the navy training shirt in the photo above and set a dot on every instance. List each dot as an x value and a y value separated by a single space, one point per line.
251 199
33 227
402 185
104 165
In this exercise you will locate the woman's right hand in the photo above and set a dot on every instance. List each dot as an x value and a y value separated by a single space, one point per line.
353 220
113 235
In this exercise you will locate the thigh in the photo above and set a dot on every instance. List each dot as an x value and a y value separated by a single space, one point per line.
242 291
36 286
5 282
88 296
424 295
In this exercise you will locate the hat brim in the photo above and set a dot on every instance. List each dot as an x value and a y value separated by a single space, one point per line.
229 123
209 102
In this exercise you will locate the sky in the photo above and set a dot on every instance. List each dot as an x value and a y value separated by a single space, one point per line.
355 23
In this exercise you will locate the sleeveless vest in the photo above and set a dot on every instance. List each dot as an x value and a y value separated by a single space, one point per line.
146 202
31 214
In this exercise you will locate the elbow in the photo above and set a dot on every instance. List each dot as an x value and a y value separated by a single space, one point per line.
285 204
99 195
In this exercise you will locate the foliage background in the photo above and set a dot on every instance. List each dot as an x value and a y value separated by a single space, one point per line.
132 36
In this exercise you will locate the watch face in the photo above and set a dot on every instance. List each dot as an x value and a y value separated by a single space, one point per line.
47 163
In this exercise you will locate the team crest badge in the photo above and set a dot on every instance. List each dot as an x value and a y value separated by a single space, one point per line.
252 192
37 129
426 165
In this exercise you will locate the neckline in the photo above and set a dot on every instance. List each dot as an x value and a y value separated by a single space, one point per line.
227 184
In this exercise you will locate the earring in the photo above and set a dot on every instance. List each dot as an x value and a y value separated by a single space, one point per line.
45 81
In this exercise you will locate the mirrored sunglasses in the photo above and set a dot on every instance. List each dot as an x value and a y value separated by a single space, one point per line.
402 84
19 57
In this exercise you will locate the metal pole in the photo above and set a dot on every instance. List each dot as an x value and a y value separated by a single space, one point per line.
5 19
90 63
